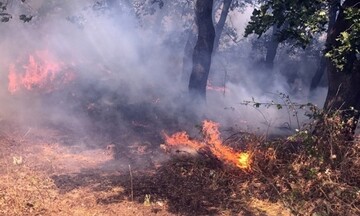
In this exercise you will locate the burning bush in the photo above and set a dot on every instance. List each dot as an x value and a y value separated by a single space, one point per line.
42 72
213 143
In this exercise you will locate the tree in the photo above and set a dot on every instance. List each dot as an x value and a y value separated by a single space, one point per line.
333 9
185 7
219 27
344 69
271 48
6 17
221 23
203 49
198 82
306 18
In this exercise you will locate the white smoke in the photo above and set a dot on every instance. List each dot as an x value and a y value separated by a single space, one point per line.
127 61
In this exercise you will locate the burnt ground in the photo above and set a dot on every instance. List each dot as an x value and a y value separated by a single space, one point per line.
51 170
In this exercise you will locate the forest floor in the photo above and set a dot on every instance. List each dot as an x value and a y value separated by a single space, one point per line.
47 170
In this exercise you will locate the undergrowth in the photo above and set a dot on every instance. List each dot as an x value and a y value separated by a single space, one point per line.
314 172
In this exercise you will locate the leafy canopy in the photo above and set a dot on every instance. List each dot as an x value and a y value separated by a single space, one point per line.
301 20
5 16
349 40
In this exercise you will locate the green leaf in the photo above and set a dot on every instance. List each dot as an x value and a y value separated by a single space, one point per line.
345 35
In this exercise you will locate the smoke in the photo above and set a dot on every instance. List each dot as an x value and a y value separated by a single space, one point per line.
126 71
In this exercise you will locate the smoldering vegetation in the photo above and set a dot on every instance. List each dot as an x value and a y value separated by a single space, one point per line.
120 67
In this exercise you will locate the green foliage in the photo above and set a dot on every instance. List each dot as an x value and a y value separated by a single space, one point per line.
240 5
349 40
291 107
300 20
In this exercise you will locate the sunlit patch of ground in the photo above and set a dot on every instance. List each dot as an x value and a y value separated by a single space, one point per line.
26 186
63 158
272 209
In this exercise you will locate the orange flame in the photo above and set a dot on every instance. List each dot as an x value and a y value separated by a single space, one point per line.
213 142
13 80
212 87
182 138
42 72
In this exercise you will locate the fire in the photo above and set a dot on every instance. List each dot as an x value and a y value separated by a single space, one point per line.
42 72
244 160
212 87
212 141
182 138
13 80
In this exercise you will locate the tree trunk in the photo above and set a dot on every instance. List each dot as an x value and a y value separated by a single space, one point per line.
315 81
220 25
271 49
334 7
203 49
188 52
344 88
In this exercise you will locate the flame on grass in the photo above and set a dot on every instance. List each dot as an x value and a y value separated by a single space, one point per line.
213 142
212 87
42 72
13 85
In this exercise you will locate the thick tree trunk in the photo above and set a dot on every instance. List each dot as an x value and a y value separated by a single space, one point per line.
333 9
203 49
344 86
220 25
271 49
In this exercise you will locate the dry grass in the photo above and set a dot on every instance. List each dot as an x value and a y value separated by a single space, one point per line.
311 184
287 178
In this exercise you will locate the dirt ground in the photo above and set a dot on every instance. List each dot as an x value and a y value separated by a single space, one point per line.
47 170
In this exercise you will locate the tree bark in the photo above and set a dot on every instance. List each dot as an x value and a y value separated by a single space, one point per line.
344 88
315 81
221 23
271 49
203 49
333 9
